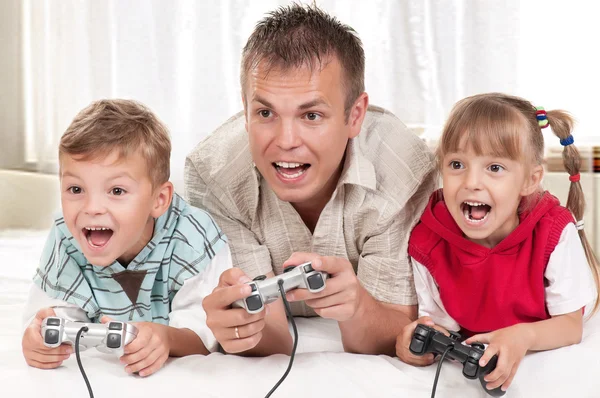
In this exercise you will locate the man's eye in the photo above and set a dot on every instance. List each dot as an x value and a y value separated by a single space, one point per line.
312 116
265 113
118 191
456 165
75 190
496 168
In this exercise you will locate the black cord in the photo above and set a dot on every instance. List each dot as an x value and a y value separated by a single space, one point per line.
439 368
288 313
87 382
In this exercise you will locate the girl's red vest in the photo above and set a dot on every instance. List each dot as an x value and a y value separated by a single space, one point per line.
487 289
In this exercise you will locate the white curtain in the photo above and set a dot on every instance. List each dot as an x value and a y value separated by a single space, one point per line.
181 58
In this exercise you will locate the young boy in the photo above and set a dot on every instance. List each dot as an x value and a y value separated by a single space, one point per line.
125 246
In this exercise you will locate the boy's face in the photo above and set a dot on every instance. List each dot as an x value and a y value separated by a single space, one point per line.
109 205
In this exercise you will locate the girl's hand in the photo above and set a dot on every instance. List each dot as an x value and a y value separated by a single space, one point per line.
405 337
511 344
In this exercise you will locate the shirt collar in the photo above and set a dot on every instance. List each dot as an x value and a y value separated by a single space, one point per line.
357 170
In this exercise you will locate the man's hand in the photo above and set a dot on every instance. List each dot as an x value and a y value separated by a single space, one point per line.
341 298
149 351
511 345
35 352
223 320
403 343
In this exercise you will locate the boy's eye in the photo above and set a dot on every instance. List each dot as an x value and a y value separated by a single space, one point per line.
496 168
117 191
456 165
74 190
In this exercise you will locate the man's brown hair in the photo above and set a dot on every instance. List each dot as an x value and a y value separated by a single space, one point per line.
123 125
296 36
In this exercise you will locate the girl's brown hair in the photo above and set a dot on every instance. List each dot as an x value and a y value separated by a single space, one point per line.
506 126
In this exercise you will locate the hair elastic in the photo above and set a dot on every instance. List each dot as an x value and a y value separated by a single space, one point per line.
575 177
567 141
542 118
579 224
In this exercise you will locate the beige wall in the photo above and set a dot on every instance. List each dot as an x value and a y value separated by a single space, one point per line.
12 149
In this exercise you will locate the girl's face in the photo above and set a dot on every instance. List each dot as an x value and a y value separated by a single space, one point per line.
483 193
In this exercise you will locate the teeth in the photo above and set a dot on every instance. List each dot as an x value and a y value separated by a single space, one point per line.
475 204
291 176
97 229
287 165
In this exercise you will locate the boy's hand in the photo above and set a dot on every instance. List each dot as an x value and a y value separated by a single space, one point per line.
35 352
148 352
403 343
511 345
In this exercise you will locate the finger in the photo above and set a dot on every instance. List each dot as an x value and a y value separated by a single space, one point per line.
248 330
233 276
239 317
332 286
137 356
43 365
490 351
33 341
145 361
298 258
155 367
45 313
424 360
509 381
45 358
106 319
141 340
240 345
500 374
333 312
479 338
328 301
225 296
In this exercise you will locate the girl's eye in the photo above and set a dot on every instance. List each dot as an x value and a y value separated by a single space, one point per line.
265 113
456 165
75 190
117 191
496 168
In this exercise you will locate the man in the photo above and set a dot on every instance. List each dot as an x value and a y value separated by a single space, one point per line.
310 172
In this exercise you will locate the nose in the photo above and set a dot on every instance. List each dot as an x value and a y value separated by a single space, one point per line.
94 205
473 180
287 137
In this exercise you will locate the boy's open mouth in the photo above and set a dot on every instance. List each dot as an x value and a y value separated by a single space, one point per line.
290 170
475 212
97 237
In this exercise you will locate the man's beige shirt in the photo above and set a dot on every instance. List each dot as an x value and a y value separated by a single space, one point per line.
385 183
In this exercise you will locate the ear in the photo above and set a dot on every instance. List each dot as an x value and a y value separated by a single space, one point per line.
162 199
357 114
532 183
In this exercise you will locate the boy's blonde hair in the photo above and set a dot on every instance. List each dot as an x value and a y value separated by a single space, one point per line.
506 126
123 125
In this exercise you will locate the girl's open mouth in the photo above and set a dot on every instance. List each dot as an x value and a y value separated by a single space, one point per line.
475 212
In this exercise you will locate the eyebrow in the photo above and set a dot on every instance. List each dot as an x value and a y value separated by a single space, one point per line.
304 106
123 174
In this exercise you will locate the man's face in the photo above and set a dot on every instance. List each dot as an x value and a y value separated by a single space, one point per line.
297 129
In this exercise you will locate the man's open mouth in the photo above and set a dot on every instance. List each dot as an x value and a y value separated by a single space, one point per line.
475 212
290 170
97 237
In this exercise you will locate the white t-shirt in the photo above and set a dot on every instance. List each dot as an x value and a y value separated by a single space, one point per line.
570 283
186 308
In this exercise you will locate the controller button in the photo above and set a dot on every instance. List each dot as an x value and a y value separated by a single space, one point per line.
260 278
288 269
478 345
315 282
421 331
254 303
308 268
417 345
470 369
113 340
253 287
51 336
115 326
53 322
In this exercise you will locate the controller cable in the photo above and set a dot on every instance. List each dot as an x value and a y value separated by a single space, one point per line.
87 382
439 368
288 313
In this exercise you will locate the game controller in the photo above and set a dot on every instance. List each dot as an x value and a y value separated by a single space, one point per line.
265 291
110 337
426 339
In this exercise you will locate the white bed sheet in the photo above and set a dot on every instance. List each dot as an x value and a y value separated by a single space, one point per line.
568 372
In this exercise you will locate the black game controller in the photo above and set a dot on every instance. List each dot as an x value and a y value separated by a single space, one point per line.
426 339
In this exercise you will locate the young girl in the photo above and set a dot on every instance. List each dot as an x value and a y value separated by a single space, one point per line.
494 256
